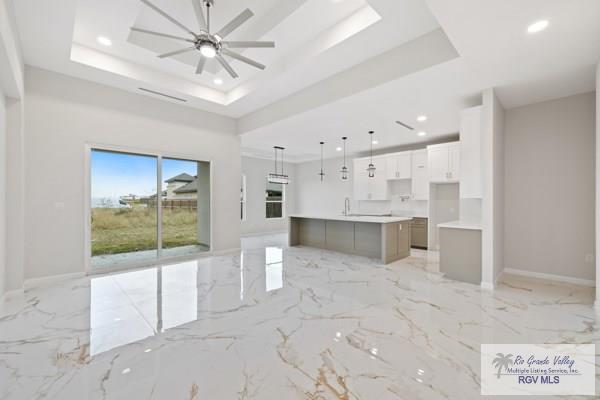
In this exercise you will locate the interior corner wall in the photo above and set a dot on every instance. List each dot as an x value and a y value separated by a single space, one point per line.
3 172
550 187
492 208
65 114
256 170
15 197
597 205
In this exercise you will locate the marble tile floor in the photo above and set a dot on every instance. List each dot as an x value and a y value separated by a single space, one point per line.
276 323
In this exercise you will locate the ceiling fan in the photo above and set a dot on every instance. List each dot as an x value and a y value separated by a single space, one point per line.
209 45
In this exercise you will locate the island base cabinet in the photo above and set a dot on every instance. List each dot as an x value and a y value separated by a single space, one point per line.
367 239
395 244
339 236
386 242
311 232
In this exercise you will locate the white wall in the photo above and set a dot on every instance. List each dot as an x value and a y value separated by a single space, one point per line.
256 171
63 114
327 197
550 167
15 197
597 230
3 191
492 205
11 154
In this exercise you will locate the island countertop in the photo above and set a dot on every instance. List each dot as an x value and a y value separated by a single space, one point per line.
354 218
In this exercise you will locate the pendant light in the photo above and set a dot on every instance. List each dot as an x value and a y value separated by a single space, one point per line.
278 178
344 169
371 168
322 174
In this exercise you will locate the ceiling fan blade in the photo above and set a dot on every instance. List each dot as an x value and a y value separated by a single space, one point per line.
180 51
248 45
160 34
226 65
241 58
199 14
235 23
167 16
201 63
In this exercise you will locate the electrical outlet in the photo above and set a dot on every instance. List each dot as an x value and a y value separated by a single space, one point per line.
59 205
589 258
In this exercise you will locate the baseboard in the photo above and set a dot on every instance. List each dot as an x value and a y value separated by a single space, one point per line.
491 285
11 294
551 277
45 280
254 234
226 252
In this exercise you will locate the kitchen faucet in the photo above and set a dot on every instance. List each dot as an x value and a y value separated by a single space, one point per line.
346 206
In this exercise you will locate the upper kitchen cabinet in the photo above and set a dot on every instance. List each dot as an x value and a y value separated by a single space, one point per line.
398 166
375 188
470 153
420 177
444 162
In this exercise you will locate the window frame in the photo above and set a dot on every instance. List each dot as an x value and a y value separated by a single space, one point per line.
243 198
282 201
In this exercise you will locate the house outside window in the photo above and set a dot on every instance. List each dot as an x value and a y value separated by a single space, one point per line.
275 200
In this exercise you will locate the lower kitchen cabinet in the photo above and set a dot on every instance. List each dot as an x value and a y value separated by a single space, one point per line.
418 227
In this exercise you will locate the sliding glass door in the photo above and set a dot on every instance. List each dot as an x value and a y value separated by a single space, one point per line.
132 222
185 207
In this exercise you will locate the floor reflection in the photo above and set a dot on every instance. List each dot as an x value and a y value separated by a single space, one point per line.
128 307
273 268
131 306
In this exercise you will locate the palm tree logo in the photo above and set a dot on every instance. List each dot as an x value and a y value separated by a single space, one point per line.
501 361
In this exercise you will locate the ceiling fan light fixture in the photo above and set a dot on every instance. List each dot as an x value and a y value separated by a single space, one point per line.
208 50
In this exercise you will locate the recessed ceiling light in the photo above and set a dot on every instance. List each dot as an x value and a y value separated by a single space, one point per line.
422 133
375 141
126 371
338 149
538 26
422 118
218 81
104 41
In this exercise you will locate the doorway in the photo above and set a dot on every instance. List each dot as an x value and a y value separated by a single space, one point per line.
146 207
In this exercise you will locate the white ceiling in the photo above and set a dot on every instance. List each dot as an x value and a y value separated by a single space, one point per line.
494 50
339 69
315 39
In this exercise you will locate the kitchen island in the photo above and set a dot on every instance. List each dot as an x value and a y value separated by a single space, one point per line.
384 238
